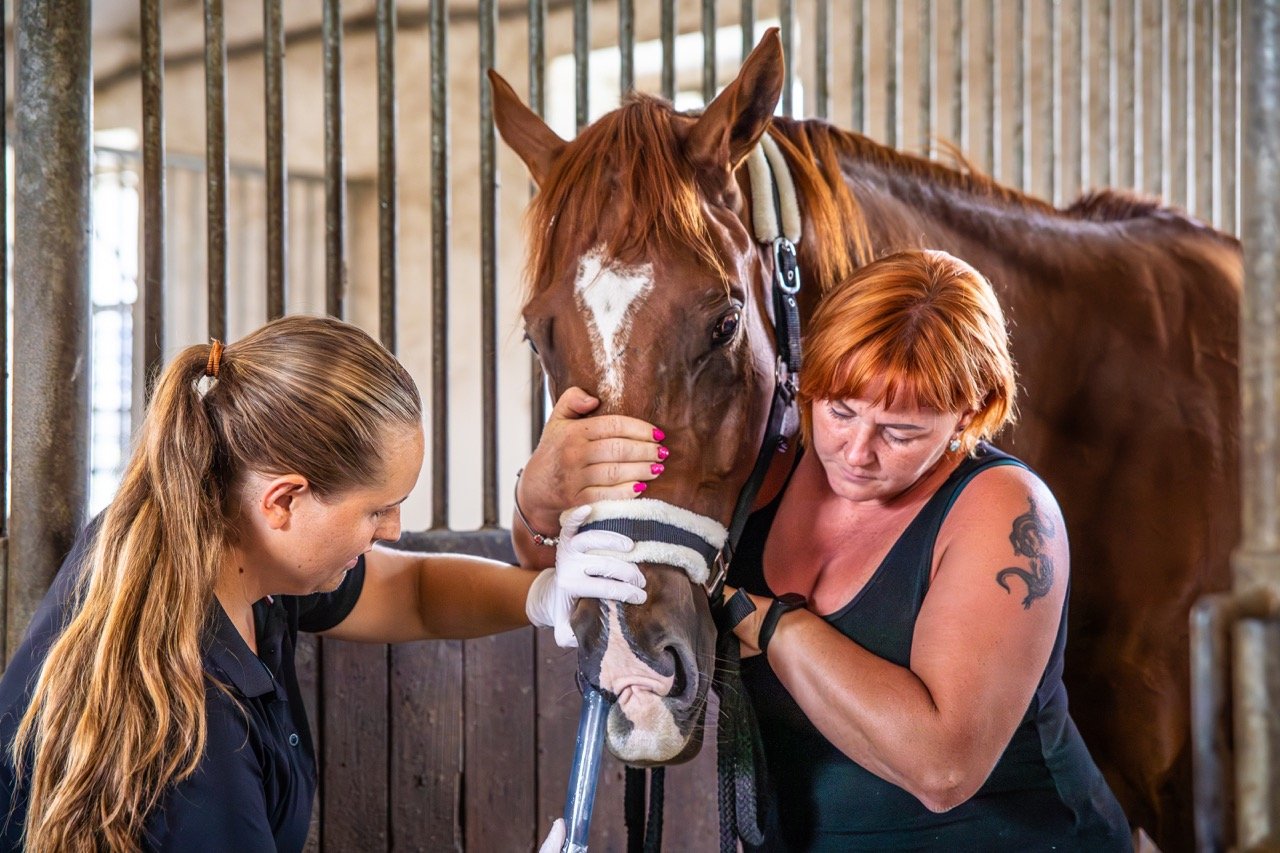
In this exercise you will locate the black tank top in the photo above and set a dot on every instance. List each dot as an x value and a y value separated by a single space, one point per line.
1045 792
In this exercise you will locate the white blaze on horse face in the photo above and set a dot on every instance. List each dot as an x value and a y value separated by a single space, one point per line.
608 295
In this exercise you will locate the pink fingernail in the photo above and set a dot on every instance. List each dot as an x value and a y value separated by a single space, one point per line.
657 468
658 435
663 453
640 487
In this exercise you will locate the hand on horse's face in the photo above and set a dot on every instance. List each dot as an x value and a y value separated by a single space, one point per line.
581 460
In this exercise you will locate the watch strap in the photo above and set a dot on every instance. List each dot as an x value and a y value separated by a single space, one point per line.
770 622
738 607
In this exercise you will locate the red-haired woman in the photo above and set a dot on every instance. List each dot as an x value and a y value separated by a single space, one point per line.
909 585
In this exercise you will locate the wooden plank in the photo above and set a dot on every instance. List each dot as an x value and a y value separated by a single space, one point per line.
980 138
1040 63
306 664
1007 115
692 818
354 711
500 760
426 746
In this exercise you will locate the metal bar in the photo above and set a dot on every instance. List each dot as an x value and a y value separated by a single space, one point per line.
1098 44
1256 654
488 269
1123 91
786 17
1256 562
537 103
667 26
439 264
928 54
388 210
1175 102
708 50
217 168
53 181
1150 64
1211 621
1226 117
959 59
892 75
335 165
277 200
627 46
987 99
1068 114
581 62
747 22
858 14
1021 108
822 45
153 193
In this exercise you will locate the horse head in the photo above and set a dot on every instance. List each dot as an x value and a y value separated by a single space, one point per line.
647 288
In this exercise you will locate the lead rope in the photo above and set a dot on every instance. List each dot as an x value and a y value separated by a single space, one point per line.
740 764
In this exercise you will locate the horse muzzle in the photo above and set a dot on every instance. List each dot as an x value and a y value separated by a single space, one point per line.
654 661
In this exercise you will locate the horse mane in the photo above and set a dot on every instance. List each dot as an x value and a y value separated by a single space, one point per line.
628 156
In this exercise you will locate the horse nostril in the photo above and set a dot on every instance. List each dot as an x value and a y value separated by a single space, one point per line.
679 672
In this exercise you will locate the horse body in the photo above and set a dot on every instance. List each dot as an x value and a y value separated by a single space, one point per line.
1124 328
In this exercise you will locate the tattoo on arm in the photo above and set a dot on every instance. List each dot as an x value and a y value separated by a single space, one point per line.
1031 531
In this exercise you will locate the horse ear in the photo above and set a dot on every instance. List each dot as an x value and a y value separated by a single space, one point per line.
733 123
522 129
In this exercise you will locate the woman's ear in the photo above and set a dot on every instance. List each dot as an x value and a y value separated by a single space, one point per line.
277 496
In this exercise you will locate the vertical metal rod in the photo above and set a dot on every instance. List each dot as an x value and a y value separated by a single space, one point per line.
822 45
1256 562
439 264
786 17
153 193
1211 621
859 83
217 170
928 62
335 165
1226 117
581 62
1021 107
708 50
987 106
959 73
627 45
488 268
4 346
747 21
537 103
388 210
53 182
892 75
277 199
667 25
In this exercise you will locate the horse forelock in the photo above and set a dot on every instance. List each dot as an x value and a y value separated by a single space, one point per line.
629 159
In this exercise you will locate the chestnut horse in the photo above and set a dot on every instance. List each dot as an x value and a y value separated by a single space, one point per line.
646 286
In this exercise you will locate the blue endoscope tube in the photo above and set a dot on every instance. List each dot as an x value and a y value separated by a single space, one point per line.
586 768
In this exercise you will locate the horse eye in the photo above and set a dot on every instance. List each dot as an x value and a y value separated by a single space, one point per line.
725 329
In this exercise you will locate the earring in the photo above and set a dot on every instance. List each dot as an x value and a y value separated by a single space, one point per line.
954 444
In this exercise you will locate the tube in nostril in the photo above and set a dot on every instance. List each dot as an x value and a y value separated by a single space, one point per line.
586 768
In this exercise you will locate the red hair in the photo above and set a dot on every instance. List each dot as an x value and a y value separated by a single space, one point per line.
921 325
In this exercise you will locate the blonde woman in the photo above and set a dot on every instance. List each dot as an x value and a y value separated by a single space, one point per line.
153 704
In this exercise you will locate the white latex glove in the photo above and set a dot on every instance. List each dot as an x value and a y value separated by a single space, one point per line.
579 574
554 842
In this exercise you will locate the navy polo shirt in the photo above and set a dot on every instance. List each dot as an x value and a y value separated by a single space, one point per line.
254 787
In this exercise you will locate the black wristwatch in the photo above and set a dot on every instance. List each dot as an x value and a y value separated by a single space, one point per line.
783 604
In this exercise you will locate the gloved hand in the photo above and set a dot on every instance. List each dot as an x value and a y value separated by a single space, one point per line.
554 842
579 574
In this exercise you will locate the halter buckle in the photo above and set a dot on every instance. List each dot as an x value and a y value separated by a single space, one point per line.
719 573
786 268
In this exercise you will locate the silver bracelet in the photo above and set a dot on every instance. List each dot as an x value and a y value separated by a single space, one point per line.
538 538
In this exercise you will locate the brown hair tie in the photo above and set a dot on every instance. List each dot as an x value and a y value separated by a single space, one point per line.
214 363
